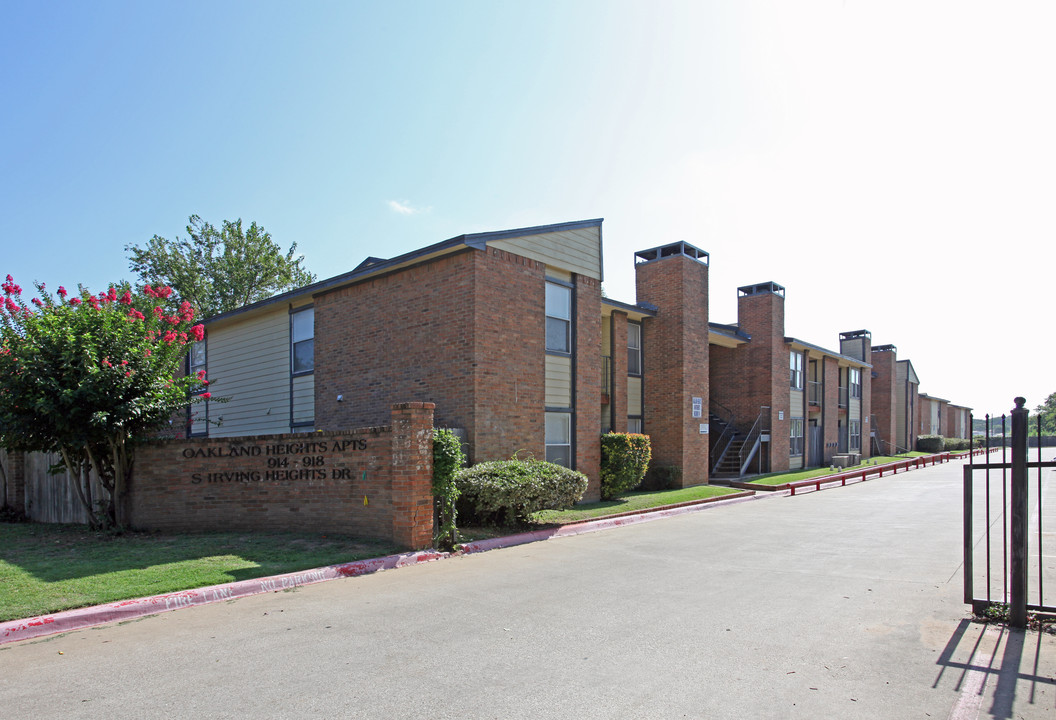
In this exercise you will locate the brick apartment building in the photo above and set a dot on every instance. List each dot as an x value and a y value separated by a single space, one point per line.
508 334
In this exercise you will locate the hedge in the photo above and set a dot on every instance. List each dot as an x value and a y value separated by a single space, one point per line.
930 443
448 458
624 461
508 491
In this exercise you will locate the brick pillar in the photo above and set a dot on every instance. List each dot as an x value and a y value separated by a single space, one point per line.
830 408
675 357
15 471
587 402
761 314
618 397
412 474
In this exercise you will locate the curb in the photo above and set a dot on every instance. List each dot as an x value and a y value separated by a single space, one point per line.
124 610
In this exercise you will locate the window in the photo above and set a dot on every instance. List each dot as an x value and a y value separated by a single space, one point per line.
795 436
558 318
856 383
795 365
634 425
197 357
197 415
856 434
634 349
559 438
302 341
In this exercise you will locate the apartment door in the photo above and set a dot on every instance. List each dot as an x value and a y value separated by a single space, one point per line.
816 456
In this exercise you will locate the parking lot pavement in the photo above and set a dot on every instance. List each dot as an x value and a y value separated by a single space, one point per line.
844 603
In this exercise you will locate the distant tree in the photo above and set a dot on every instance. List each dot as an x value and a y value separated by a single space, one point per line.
1047 412
91 376
219 269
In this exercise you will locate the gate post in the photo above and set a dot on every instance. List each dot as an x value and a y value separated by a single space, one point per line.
1018 581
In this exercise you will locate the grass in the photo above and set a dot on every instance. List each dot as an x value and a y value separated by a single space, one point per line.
789 477
631 501
48 568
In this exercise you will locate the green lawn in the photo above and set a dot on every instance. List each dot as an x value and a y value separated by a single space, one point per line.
632 501
789 477
47 568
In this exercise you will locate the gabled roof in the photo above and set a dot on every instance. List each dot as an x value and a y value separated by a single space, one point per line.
375 266
831 353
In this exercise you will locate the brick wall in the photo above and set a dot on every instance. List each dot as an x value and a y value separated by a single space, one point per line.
882 397
509 355
587 398
372 482
675 358
830 408
762 316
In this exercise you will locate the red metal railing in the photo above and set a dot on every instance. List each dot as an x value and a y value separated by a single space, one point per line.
862 474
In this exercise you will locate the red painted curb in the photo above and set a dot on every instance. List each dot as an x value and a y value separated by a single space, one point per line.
43 625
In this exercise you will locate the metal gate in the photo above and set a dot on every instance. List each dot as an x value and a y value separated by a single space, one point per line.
1007 507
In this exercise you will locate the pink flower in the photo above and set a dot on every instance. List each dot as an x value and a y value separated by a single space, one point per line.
198 331
62 291
126 299
186 311
136 314
169 336
164 292
75 301
207 395
147 352
149 291
201 374
38 303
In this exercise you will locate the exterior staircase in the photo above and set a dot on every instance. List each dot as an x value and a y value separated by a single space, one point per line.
728 467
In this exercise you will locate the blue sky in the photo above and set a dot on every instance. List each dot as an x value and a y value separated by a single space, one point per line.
890 164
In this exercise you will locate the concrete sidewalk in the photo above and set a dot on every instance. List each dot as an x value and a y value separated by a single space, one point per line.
839 604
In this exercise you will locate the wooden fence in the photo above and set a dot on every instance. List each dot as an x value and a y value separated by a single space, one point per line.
48 498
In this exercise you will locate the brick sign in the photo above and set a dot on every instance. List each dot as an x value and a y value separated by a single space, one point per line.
276 462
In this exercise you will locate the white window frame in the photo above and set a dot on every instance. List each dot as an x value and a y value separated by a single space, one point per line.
634 349
854 435
634 425
302 336
795 365
192 369
558 316
795 440
557 429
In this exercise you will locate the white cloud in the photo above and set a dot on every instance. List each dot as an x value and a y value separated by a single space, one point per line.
405 208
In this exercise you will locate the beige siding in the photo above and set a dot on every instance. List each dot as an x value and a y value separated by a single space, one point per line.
606 334
558 381
304 398
795 462
854 411
634 396
577 251
249 363
795 403
199 415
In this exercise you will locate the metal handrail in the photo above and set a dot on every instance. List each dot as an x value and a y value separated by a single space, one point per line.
814 392
752 439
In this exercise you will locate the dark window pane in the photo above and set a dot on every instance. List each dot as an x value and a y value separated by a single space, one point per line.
557 335
304 356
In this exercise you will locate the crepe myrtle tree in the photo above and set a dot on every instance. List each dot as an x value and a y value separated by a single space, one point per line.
89 376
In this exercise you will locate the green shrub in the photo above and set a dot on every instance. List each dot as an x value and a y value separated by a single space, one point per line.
662 477
448 458
508 491
930 443
624 461
955 443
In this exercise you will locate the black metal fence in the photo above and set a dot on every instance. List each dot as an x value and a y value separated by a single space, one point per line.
1007 507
